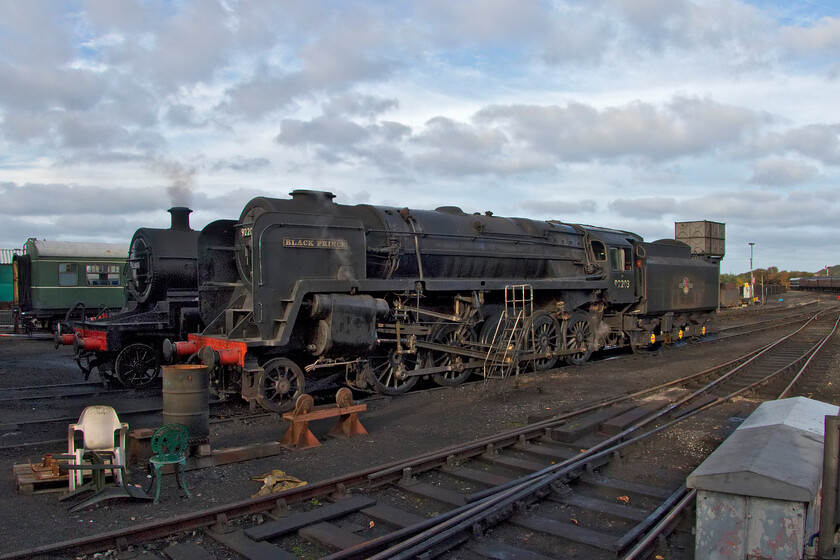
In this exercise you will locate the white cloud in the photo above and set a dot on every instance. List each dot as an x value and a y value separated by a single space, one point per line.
626 114
560 207
35 34
58 199
578 132
818 141
353 103
782 172
323 130
821 38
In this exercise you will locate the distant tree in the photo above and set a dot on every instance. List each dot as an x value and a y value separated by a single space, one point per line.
727 278
772 275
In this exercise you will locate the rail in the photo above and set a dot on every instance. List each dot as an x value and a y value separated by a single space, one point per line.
481 507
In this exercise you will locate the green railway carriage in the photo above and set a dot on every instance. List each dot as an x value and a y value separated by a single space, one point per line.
52 277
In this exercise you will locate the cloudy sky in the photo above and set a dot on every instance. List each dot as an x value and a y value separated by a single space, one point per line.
630 114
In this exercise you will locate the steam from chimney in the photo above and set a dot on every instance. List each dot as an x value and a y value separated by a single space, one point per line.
182 180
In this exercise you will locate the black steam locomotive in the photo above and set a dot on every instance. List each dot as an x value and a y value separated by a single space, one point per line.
304 290
162 304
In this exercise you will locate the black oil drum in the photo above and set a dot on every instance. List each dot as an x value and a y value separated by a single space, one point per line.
186 398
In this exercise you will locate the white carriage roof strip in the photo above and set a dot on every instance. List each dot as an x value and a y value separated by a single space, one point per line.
79 249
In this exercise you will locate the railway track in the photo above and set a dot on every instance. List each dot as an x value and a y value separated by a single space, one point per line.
63 390
57 391
769 310
129 403
761 325
539 491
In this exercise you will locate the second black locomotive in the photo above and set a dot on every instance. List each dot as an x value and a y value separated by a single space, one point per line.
162 304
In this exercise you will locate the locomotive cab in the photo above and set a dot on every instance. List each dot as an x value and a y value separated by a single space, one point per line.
612 253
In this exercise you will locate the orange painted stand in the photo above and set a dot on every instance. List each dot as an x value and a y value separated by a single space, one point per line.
298 435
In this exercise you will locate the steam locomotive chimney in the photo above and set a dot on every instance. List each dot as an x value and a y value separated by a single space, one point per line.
180 218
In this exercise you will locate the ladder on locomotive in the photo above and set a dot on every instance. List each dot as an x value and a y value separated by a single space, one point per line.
502 356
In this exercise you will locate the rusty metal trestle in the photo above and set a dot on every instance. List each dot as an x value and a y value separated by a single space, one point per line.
299 436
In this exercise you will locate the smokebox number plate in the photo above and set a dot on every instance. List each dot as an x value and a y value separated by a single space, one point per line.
314 243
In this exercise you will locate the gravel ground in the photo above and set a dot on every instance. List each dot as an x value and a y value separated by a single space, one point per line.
398 428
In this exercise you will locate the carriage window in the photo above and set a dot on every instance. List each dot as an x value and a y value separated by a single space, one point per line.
68 274
599 251
619 259
102 274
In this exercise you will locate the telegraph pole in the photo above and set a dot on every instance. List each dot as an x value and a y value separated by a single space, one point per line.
752 278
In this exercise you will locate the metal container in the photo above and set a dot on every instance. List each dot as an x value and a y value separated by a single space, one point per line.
186 398
704 237
758 493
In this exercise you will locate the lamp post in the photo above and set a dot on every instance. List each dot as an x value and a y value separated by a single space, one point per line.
752 278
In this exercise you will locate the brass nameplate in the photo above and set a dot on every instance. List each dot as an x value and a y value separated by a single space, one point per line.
315 243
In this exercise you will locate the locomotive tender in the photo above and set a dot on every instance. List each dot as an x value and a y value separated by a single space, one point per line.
162 303
304 290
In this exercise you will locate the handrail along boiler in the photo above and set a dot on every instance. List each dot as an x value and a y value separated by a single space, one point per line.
303 290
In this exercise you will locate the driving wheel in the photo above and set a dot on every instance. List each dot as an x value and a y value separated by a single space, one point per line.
578 336
137 365
279 385
449 335
542 335
387 371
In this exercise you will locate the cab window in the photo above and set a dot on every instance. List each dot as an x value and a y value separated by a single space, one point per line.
619 259
599 251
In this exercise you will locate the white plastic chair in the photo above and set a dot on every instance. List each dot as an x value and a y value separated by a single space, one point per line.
98 424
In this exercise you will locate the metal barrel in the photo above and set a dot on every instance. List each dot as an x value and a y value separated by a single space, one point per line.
186 398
